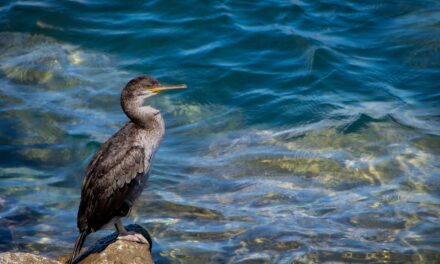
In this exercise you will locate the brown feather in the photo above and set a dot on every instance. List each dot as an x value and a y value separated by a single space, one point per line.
110 179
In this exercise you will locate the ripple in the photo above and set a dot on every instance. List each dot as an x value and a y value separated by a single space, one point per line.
309 131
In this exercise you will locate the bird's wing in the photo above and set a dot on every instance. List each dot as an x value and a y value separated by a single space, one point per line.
108 182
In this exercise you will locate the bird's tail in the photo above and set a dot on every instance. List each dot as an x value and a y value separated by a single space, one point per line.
78 245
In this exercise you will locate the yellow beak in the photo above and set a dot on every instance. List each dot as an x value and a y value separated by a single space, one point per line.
160 88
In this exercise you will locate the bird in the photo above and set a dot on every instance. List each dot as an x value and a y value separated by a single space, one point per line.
116 175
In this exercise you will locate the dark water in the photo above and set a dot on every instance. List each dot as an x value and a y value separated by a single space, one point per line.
310 131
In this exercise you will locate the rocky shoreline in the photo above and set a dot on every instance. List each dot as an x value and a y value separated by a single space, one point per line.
105 251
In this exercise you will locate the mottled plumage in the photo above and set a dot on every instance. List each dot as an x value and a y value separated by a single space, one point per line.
115 176
117 173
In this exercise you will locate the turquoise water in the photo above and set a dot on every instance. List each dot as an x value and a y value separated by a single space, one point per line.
310 132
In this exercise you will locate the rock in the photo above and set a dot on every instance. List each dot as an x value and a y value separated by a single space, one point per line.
111 251
19 257
121 252
108 250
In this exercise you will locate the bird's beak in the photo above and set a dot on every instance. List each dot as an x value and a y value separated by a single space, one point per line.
160 88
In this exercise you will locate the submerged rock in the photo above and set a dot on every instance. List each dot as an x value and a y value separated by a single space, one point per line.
105 251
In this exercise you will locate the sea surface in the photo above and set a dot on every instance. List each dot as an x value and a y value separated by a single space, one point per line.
309 132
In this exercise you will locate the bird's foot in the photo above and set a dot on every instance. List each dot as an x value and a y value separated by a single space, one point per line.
134 237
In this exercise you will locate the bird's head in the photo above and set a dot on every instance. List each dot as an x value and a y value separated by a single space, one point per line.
145 86
134 94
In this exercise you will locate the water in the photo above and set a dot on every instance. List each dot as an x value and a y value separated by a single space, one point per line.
310 132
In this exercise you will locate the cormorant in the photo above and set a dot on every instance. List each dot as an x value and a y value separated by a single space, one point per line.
117 173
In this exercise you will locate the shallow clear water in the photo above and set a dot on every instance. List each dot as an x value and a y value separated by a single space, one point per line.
310 132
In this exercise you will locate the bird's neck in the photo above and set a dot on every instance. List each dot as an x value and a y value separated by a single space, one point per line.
144 116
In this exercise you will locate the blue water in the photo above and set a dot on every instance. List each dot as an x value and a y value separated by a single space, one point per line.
310 132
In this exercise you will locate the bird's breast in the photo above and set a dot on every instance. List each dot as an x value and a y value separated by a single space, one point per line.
150 140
